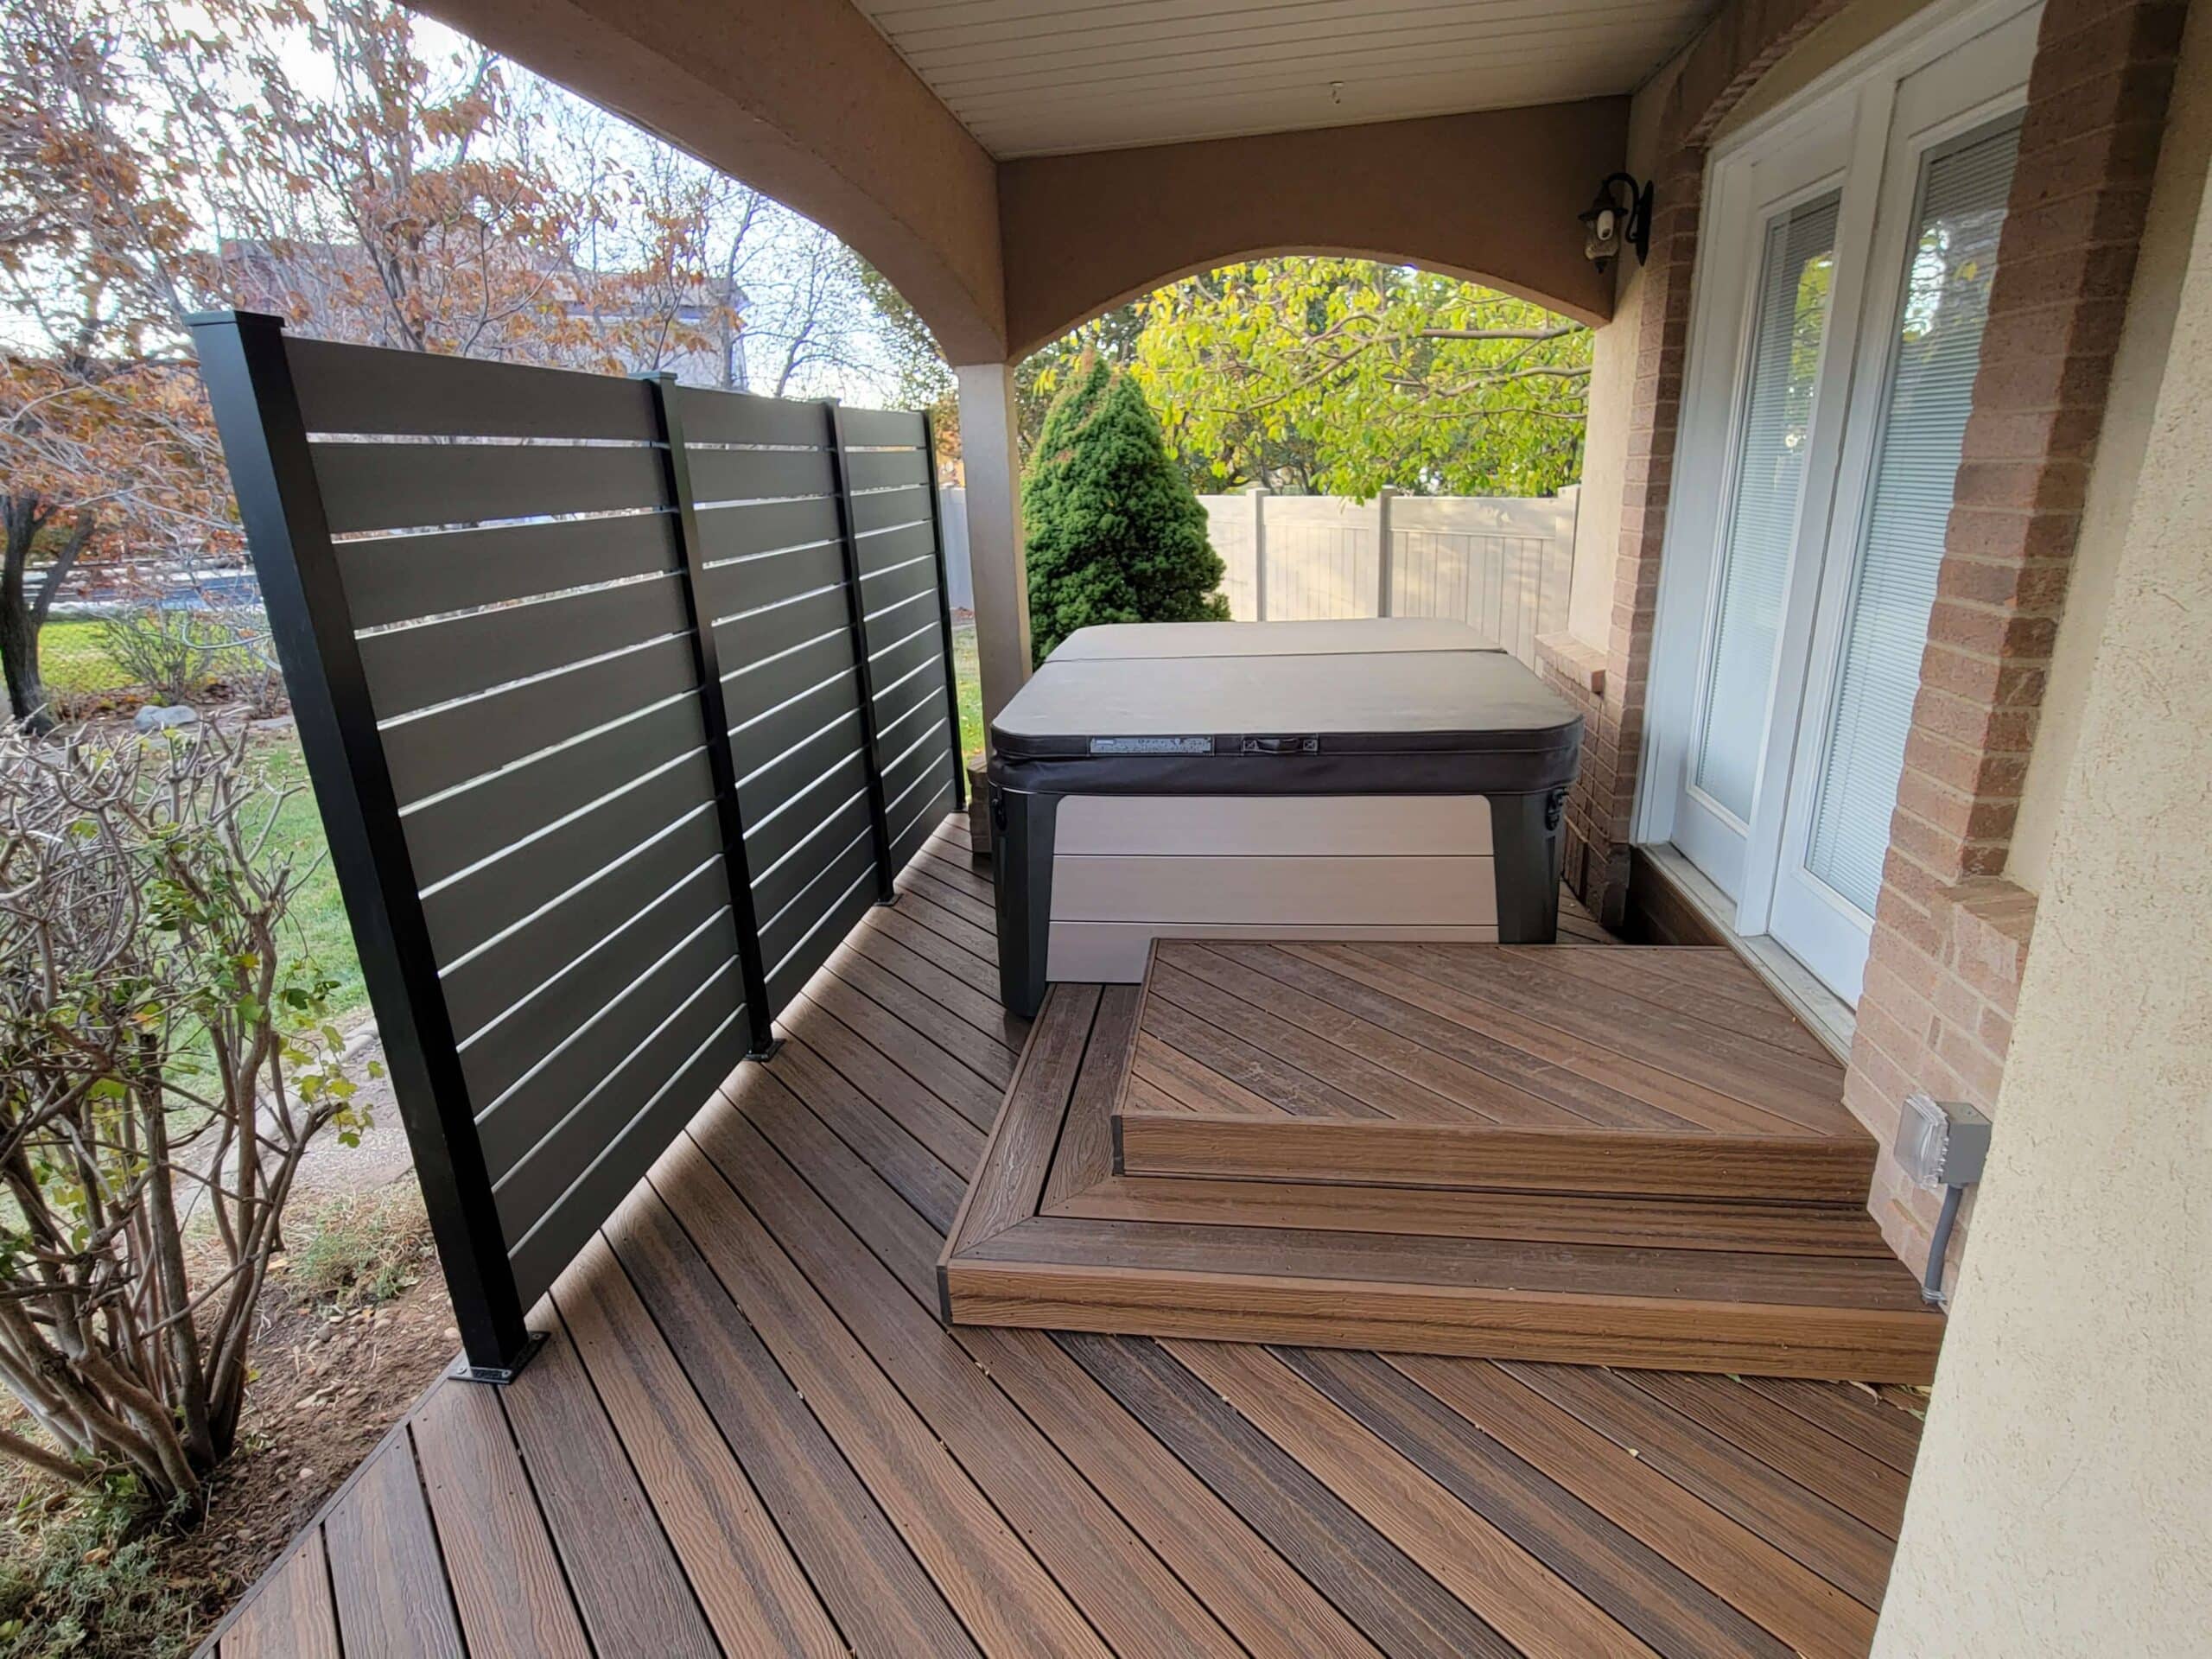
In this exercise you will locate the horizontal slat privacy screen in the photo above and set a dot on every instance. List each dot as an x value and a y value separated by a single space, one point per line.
622 701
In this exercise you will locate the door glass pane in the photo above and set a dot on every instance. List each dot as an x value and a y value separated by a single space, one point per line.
1760 532
1933 353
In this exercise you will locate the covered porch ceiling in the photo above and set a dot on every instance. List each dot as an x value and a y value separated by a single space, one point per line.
1015 167
1049 77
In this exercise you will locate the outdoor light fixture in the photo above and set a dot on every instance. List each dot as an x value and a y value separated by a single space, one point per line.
1621 213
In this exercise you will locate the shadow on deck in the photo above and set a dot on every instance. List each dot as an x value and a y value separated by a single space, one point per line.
750 1433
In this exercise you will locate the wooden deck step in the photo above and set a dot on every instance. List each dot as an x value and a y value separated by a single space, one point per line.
1052 1236
1568 1069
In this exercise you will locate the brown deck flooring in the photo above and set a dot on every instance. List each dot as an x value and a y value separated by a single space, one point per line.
1570 1036
748 1433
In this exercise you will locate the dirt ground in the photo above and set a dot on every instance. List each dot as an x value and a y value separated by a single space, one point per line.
328 1389
329 1380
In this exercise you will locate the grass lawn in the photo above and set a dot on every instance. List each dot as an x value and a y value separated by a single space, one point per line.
969 677
318 913
74 662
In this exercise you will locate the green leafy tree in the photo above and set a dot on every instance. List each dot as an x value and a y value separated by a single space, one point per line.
1112 529
1340 376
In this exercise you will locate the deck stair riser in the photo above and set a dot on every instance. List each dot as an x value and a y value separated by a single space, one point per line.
1260 1144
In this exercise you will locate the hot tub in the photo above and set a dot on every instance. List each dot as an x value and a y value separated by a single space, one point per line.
1397 779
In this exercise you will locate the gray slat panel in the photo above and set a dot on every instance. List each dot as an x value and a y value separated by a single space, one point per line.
775 733
888 508
588 1059
881 427
785 980
893 693
367 388
878 469
782 823
533 1185
780 934
758 475
711 417
886 547
759 637
913 638
410 485
500 1054
773 889
539 1258
909 581
897 726
729 590
452 833
488 985
752 695
471 909
904 766
787 780
398 578
430 663
933 759
748 527
436 751
907 841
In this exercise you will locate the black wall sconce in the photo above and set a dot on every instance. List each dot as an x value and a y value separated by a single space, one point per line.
1620 213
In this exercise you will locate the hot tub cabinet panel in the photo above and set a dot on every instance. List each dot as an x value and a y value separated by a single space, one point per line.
1379 778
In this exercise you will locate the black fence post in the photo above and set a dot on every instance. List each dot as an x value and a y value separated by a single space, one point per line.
856 610
249 379
714 709
944 614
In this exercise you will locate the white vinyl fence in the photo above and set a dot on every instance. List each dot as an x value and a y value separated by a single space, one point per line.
1501 563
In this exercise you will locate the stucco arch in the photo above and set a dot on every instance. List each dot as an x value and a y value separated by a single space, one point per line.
1491 197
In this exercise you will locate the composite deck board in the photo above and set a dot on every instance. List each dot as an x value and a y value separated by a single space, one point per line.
772 1415
621 1571
1052 1237
386 1580
507 1583
290 1614
1451 1065
751 1589
1588 1081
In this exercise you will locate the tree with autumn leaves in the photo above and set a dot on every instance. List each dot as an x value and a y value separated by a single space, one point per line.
370 179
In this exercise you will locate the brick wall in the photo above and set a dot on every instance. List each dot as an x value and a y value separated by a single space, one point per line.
1936 1014
1951 933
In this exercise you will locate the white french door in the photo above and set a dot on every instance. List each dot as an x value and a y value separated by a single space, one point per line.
1841 295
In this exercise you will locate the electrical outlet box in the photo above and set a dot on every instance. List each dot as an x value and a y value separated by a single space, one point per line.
1941 1142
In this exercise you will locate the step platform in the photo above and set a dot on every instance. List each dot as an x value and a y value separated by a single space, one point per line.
1504 1152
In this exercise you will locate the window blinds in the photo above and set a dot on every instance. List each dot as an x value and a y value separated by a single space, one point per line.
1761 531
1934 350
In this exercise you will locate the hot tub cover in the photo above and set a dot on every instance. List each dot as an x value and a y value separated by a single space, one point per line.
1378 705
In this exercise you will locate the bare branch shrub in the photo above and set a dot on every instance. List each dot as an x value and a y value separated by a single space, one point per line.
164 1064
173 650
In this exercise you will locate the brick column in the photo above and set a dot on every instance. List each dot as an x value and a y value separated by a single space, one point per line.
1601 807
1950 934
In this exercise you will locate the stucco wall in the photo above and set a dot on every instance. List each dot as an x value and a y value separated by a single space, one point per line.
2063 1503
2182 162
1491 196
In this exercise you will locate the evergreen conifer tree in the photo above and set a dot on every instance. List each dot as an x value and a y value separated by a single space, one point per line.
1111 528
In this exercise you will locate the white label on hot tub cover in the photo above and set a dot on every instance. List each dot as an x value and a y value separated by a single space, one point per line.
1152 746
